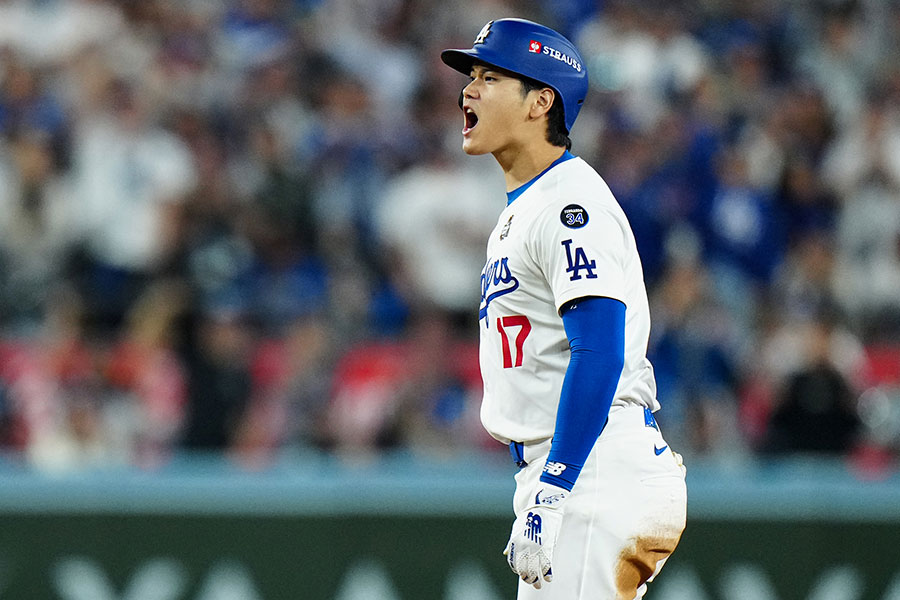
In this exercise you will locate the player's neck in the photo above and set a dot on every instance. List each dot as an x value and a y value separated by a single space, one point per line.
522 164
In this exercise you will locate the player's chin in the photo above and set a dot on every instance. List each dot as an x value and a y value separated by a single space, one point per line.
472 148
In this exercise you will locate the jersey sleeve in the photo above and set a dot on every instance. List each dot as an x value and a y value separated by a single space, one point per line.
581 250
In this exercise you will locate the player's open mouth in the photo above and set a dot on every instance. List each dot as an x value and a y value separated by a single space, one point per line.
471 120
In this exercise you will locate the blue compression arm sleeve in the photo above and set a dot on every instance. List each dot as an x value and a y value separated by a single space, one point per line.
595 327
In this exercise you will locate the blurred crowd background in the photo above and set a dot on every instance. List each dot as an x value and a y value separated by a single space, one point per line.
246 226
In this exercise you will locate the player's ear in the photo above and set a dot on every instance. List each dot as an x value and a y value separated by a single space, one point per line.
542 102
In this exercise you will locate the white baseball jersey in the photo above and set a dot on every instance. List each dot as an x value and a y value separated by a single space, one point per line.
563 238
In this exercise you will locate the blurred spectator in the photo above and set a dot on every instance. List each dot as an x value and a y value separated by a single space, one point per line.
130 175
744 241
37 232
291 375
802 287
441 399
421 391
785 347
364 408
742 225
26 104
644 53
52 32
648 173
285 281
862 165
347 166
252 33
867 149
842 61
219 382
808 126
145 370
814 411
375 50
807 206
867 274
692 348
55 385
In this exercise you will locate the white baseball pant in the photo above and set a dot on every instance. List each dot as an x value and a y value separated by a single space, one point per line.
623 518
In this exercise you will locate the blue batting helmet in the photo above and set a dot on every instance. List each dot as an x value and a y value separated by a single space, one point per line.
531 50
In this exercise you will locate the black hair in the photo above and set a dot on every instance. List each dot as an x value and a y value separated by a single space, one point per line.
556 119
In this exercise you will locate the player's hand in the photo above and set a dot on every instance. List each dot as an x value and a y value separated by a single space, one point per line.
529 551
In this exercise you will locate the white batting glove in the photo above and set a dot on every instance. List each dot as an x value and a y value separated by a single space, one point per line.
529 551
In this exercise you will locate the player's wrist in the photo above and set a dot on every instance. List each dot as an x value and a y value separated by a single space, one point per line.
549 495
560 474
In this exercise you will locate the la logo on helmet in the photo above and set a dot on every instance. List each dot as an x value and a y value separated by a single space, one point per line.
483 33
535 47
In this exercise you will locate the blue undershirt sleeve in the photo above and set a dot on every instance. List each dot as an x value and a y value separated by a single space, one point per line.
595 327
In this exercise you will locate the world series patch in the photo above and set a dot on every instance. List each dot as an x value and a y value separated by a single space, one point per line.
573 216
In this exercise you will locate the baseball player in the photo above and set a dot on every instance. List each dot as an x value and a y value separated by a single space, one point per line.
600 499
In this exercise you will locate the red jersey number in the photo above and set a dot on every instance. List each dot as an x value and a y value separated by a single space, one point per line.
506 326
